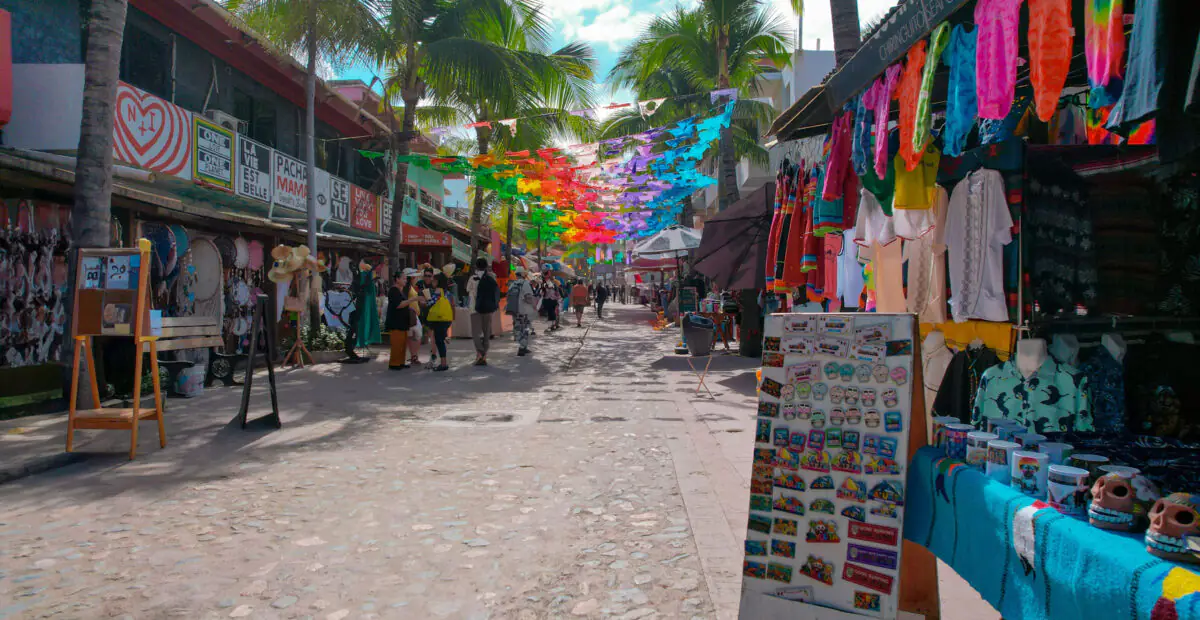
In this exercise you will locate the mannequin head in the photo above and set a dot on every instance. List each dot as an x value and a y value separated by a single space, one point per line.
934 341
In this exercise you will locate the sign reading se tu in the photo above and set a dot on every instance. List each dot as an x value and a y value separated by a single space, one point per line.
213 160
254 178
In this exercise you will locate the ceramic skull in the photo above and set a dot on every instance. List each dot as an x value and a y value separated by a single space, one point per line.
1121 503
1174 519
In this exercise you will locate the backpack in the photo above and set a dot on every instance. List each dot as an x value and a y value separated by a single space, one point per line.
513 305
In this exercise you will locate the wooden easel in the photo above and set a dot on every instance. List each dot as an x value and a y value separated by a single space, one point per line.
295 355
267 332
93 299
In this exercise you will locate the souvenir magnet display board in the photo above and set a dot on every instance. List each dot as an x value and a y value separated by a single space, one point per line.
830 458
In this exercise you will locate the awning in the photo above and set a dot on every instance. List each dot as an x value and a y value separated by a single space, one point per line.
908 22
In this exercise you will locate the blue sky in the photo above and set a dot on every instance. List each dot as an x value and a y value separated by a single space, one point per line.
608 25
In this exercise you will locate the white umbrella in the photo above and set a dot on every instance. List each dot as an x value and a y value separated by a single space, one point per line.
669 242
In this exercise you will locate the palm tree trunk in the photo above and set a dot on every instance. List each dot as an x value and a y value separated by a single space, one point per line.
310 156
687 215
91 215
481 137
847 35
403 146
727 189
509 233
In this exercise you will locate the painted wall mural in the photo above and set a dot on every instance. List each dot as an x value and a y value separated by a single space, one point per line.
34 241
152 133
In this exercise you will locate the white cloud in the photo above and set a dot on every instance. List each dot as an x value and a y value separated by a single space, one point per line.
597 21
615 26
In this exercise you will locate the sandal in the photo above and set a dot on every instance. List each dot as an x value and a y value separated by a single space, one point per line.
441 369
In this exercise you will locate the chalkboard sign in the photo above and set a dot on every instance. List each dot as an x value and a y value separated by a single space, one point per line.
687 300
262 340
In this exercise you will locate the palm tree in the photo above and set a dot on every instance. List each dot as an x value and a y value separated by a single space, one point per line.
720 44
538 86
847 34
91 215
333 30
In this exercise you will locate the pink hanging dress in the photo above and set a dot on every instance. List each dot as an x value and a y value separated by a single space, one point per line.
996 55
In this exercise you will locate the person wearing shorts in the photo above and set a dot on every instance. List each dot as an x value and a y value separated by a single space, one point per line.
579 299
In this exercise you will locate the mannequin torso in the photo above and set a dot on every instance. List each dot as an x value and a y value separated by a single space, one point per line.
1065 349
1031 354
1115 344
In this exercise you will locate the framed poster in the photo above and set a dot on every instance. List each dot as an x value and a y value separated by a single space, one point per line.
364 209
830 463
291 182
151 133
212 163
339 200
255 174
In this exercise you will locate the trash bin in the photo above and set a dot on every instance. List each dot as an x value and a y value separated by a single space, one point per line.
699 340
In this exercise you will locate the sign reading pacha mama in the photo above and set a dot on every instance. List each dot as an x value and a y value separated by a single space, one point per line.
291 182
254 178
212 163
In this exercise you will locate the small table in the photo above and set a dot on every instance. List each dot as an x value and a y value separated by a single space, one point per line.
701 373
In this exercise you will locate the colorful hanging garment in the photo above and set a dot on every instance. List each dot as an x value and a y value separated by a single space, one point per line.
837 165
797 222
812 244
1147 69
776 224
908 91
878 99
961 104
996 55
1050 38
937 42
860 150
881 188
1104 49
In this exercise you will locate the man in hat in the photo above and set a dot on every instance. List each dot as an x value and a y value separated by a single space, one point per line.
521 305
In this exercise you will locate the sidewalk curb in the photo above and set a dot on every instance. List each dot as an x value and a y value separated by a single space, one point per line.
39 465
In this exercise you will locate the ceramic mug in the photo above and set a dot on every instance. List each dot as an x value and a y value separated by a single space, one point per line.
1008 432
977 448
1030 441
1066 488
999 456
1090 462
1059 452
939 425
1028 471
956 440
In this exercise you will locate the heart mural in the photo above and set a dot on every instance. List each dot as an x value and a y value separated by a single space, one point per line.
152 133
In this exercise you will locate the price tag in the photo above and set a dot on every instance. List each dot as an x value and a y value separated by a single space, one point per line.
93 271
118 272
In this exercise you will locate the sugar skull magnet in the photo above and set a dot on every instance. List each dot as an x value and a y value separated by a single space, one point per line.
819 390
880 373
831 370
863 373
853 415
868 397
836 394
890 397
837 417
851 396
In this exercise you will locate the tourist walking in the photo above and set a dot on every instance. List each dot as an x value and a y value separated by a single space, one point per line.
398 320
601 297
441 315
521 304
551 298
579 300
484 301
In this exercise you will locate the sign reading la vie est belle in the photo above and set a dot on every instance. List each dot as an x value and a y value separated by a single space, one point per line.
255 178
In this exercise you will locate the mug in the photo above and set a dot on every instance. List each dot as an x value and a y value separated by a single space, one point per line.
977 448
998 458
1090 462
1030 441
939 424
956 440
1067 489
1059 452
1028 472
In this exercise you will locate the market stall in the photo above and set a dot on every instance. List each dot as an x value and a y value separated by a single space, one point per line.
1034 204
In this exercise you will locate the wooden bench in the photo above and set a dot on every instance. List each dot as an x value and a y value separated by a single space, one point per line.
196 332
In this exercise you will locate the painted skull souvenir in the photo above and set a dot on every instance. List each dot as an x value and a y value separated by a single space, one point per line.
846 372
868 397
880 373
837 417
788 393
890 398
863 373
831 370
853 415
872 419
851 396
803 412
1173 520
803 391
899 375
836 394
1121 503
818 419
819 390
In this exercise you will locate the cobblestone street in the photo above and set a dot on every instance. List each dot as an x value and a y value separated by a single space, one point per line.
538 487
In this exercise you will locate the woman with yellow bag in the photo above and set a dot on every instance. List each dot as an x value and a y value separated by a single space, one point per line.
441 315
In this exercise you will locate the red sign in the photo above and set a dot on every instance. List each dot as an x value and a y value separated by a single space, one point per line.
415 235
878 534
364 209
152 133
867 578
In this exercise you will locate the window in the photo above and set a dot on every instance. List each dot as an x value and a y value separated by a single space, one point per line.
146 61
258 114
412 192
425 200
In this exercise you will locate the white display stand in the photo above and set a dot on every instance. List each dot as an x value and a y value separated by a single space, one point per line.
826 522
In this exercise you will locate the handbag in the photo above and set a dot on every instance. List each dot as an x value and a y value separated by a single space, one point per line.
441 311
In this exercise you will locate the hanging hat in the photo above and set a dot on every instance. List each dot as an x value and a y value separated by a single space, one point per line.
448 269
241 256
256 255
207 261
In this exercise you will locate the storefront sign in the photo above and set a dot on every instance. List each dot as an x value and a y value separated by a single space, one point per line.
212 163
339 200
385 216
364 209
415 235
254 172
320 189
291 182
151 133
